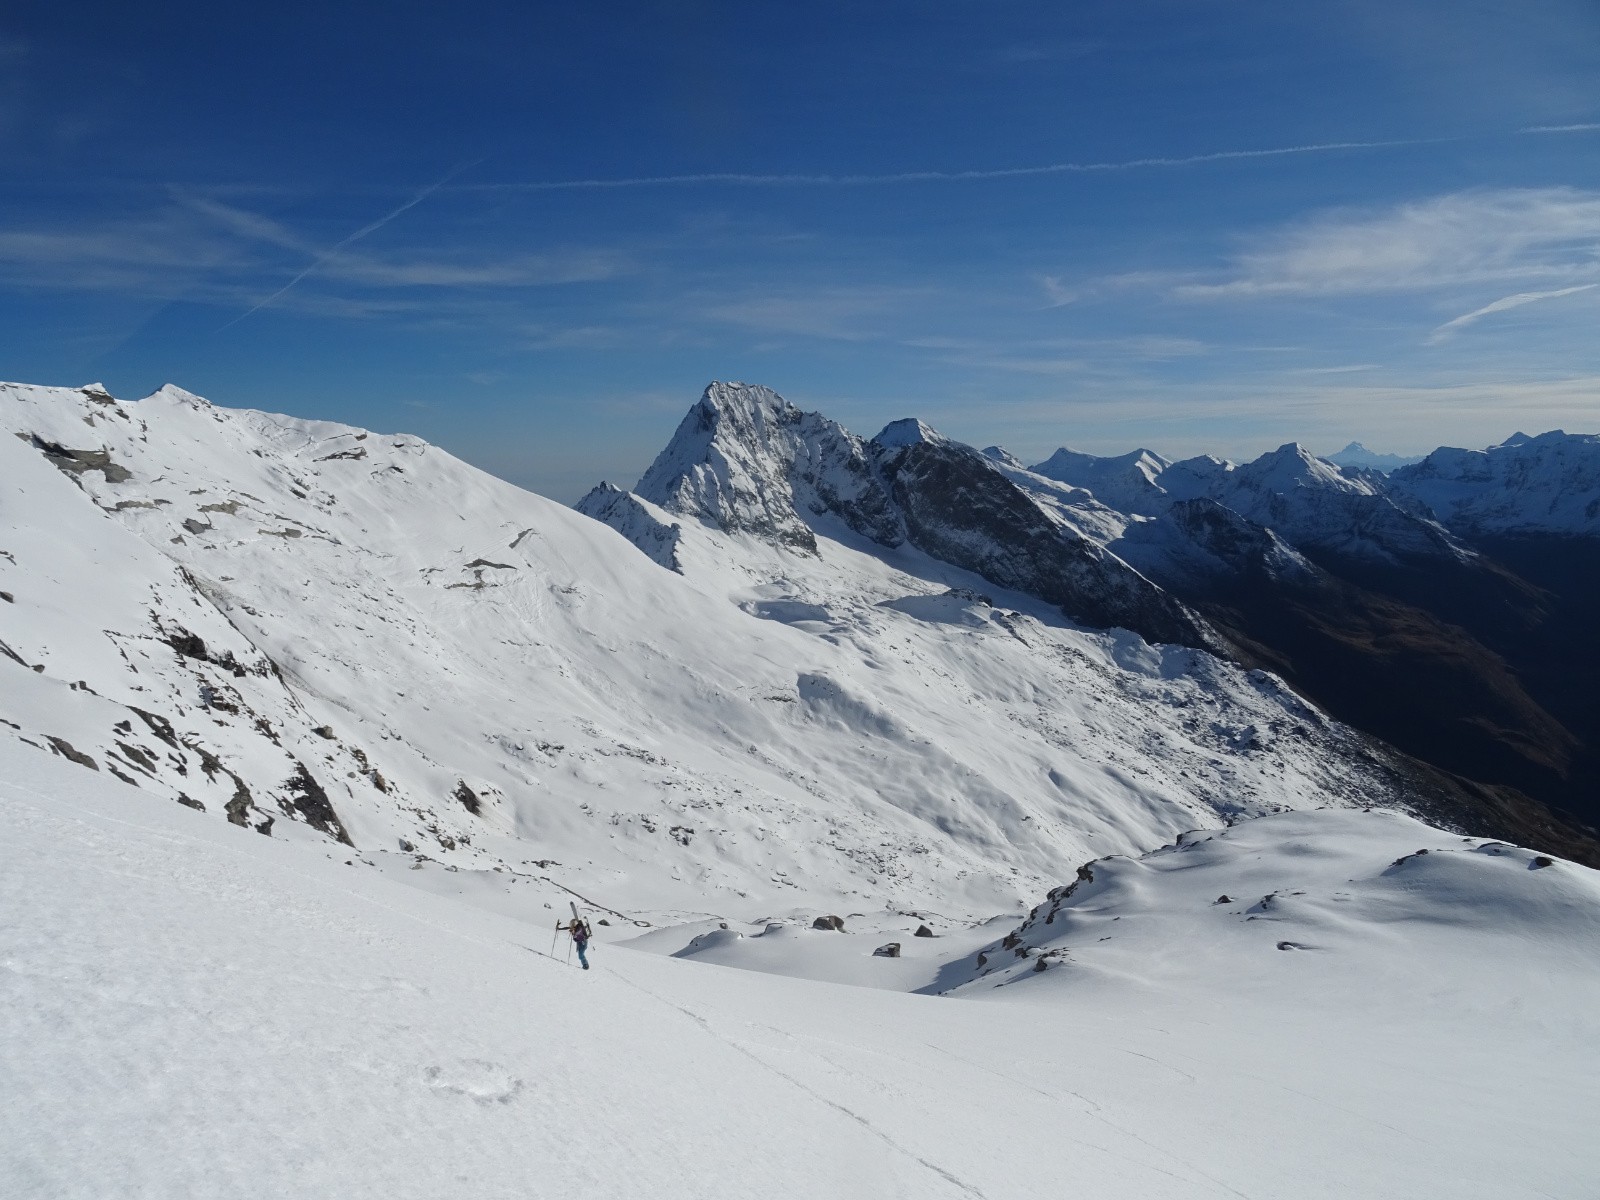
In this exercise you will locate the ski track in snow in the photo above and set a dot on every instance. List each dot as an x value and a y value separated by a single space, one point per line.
949 1177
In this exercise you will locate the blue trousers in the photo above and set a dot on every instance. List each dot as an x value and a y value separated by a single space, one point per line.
582 957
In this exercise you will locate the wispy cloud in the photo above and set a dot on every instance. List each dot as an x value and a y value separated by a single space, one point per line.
1477 237
199 249
850 314
1585 127
1449 328
745 179
1056 293
364 231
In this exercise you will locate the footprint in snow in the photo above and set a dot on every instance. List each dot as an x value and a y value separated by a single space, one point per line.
484 1082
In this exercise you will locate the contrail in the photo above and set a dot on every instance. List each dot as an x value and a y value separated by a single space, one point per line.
1445 331
804 180
356 237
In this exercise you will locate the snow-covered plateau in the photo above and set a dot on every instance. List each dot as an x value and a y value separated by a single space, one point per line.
309 735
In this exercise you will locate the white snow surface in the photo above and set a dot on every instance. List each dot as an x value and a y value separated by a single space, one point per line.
487 687
190 1009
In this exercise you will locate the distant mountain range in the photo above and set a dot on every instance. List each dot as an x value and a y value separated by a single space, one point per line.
1444 607
1357 455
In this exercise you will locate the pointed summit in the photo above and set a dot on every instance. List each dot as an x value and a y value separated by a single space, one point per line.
906 432
745 460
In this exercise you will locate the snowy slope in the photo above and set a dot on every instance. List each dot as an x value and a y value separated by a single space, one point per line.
1549 484
190 1009
345 631
1330 905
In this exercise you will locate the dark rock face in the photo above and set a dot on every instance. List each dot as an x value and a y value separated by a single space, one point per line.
957 507
305 796
65 748
622 511
468 798
76 462
888 950
834 923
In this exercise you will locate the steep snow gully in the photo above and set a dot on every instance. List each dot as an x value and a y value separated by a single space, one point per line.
308 735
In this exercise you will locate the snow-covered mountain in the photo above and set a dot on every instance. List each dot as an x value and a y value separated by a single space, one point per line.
1429 606
1548 484
316 631
744 460
1353 592
1305 500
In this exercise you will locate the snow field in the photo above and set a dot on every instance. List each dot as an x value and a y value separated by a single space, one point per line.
192 1009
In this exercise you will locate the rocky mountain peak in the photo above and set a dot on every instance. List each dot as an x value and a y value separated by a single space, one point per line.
745 460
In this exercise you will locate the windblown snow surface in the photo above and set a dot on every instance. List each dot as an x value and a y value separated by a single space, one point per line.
453 708
189 1009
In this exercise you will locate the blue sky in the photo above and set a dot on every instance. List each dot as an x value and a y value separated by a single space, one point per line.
532 233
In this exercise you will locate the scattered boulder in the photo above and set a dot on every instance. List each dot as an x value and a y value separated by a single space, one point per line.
304 795
1540 862
1040 965
834 923
188 645
923 931
468 797
887 950
1223 899
324 731
68 752
76 462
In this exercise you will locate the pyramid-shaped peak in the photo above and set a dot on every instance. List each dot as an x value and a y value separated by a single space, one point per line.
1292 466
750 399
906 432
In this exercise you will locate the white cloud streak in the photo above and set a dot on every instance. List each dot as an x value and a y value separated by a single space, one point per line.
1464 238
743 179
1449 328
